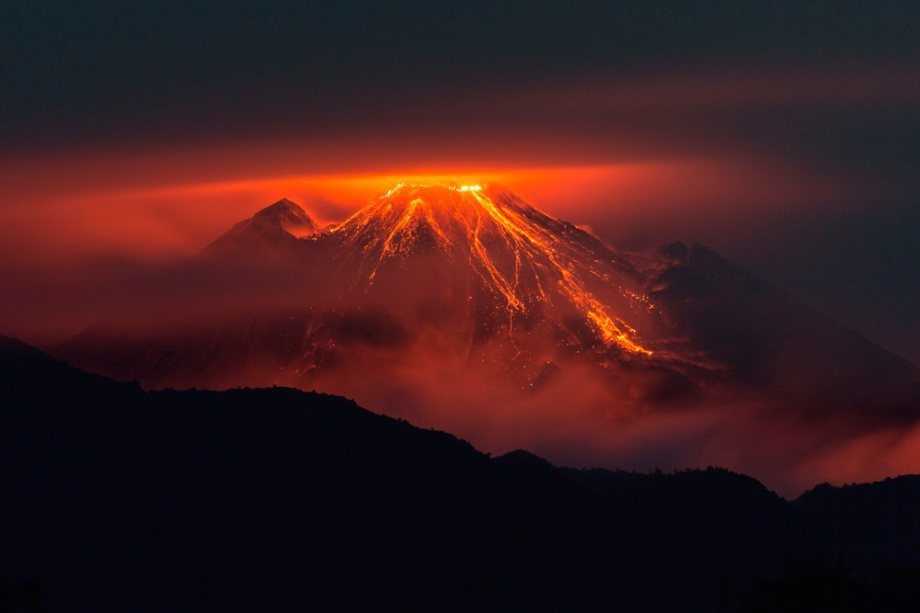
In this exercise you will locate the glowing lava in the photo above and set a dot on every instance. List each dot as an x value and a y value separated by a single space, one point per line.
523 256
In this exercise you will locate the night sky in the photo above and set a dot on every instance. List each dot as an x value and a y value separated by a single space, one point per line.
784 135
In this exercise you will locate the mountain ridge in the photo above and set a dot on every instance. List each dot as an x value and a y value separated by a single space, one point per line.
275 497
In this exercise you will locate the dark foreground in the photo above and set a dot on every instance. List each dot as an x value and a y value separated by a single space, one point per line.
115 499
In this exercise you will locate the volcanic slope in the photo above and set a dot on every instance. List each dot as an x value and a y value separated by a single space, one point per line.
471 285
470 274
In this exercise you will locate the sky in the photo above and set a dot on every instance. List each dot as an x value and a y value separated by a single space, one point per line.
785 135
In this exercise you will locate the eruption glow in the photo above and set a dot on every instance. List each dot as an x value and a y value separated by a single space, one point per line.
508 243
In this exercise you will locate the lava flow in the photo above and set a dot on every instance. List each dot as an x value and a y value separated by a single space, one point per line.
522 255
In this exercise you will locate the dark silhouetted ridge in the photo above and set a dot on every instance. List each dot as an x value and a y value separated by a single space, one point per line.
116 499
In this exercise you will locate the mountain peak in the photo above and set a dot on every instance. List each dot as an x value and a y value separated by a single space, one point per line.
437 189
270 228
410 216
437 201
286 215
282 205
528 261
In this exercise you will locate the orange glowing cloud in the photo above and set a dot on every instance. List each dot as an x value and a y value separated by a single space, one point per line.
79 217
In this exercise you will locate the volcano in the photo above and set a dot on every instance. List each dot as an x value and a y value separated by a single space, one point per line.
447 304
465 275
517 266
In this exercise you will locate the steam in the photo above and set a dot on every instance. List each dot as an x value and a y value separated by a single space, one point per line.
577 420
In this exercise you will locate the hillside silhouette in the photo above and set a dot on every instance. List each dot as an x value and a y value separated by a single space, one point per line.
120 499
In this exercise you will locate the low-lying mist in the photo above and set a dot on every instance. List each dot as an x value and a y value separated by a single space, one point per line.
572 413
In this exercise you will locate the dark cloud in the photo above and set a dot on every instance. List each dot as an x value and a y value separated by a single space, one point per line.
133 70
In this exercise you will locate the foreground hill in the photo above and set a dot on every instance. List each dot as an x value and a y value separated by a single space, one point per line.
117 499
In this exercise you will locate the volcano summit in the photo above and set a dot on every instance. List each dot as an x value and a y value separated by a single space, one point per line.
522 262
452 304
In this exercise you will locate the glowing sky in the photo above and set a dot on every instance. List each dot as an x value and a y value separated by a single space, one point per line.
785 137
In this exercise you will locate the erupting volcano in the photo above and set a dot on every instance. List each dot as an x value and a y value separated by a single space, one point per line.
523 260
470 273
464 307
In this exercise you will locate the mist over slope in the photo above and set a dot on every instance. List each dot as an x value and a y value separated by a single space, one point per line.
463 307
